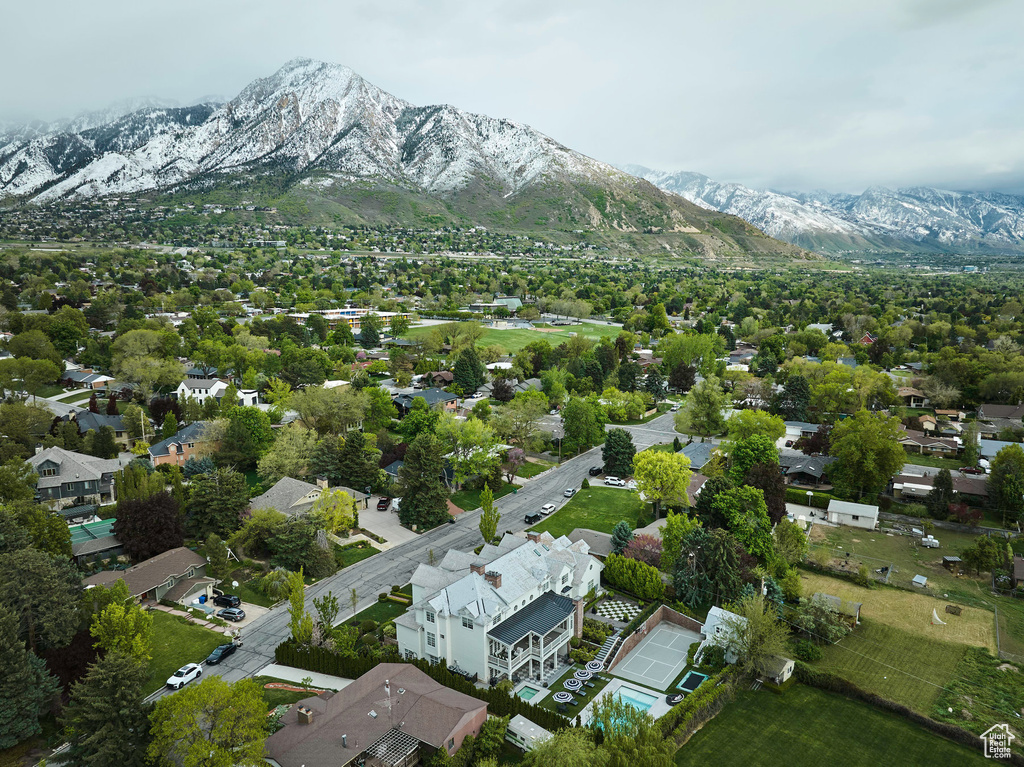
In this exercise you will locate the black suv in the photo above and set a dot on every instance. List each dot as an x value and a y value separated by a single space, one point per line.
227 600
220 653
534 518
596 471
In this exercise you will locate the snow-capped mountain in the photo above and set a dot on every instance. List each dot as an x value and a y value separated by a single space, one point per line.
911 219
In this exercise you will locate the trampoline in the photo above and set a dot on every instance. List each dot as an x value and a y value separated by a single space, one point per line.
692 681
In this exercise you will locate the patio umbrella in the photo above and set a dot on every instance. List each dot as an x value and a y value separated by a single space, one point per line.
572 684
561 697
582 674
594 666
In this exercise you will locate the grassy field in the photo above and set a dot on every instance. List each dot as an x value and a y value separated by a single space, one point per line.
895 664
248 591
467 500
515 339
346 557
531 469
909 612
382 612
599 508
806 727
984 692
174 644
936 461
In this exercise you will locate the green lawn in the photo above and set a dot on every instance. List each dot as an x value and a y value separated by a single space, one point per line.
530 469
936 461
515 339
52 390
382 612
349 556
600 682
275 698
467 500
174 644
810 727
598 508
895 664
79 396
249 592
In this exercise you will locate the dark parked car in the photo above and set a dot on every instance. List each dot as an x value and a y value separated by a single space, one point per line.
231 614
227 600
533 518
596 471
971 470
383 504
220 653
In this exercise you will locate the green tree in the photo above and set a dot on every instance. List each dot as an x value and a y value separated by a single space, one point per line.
290 455
104 444
327 609
984 555
1006 482
469 446
622 534
124 628
17 481
704 410
424 498
170 427
747 452
47 530
336 510
517 421
369 332
216 502
867 452
491 739
790 542
468 374
632 738
582 424
26 689
634 576
249 436
210 724
747 514
618 452
767 478
136 424
42 592
747 423
380 409
819 619
662 478
490 517
677 528
217 554
941 495
794 399
970 439
149 526
105 720
300 622
757 636
568 747
357 463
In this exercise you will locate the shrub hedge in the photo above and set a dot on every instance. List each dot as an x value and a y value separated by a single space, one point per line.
818 500
699 707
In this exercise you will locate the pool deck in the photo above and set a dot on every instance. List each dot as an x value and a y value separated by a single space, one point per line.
658 709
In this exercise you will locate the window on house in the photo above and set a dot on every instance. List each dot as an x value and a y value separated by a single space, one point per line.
430 617
191 445
855 517
431 640
410 655
467 623
451 743
48 473
565 578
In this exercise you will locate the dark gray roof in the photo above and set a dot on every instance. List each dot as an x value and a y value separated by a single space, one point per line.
699 453
813 465
392 468
431 396
87 420
191 433
539 617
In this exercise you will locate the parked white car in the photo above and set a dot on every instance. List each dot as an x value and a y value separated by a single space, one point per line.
547 508
184 675
614 482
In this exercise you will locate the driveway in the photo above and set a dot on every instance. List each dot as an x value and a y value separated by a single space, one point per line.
252 613
385 524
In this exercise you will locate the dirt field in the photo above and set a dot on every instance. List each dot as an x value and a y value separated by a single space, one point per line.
910 612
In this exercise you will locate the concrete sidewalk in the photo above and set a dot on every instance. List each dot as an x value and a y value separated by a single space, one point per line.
290 674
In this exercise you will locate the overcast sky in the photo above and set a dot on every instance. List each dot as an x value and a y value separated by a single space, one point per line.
790 94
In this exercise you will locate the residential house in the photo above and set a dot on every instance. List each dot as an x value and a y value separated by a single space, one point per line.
952 415
867 339
67 478
393 715
435 398
805 470
177 575
927 444
852 514
699 453
912 397
989 448
293 497
508 612
799 429
88 421
911 486
990 412
439 378
719 630
200 389
600 544
190 442
85 378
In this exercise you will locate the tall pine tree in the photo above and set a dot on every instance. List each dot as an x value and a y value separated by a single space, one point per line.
424 497
26 688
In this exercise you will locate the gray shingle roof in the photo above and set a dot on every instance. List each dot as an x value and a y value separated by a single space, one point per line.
191 433
539 617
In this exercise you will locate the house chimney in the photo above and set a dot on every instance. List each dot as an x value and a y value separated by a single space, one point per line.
535 537
321 482
305 715
477 568
493 578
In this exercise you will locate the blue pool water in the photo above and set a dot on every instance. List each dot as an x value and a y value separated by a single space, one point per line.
637 699
692 681
527 692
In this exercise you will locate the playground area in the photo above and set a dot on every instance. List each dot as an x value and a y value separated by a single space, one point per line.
659 658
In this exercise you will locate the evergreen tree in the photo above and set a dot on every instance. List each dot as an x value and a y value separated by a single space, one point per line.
618 452
794 399
424 498
111 405
369 333
104 444
357 467
42 591
654 383
469 371
26 688
941 495
622 534
105 720
216 502
170 427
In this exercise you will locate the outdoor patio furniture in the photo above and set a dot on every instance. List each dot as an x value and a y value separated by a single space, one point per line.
590 684
562 708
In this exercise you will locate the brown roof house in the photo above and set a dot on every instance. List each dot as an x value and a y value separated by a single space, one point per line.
393 715
178 575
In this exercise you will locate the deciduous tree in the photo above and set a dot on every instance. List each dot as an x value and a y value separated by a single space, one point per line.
662 478
704 410
490 517
149 526
867 451
124 628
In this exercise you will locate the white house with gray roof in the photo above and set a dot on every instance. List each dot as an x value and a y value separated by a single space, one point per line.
505 613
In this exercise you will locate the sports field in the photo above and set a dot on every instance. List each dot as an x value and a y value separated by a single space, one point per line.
515 339
806 727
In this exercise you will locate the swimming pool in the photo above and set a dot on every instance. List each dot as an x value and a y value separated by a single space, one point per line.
692 681
637 699
527 692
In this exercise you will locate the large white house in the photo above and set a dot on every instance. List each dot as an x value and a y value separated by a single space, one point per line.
201 389
505 613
